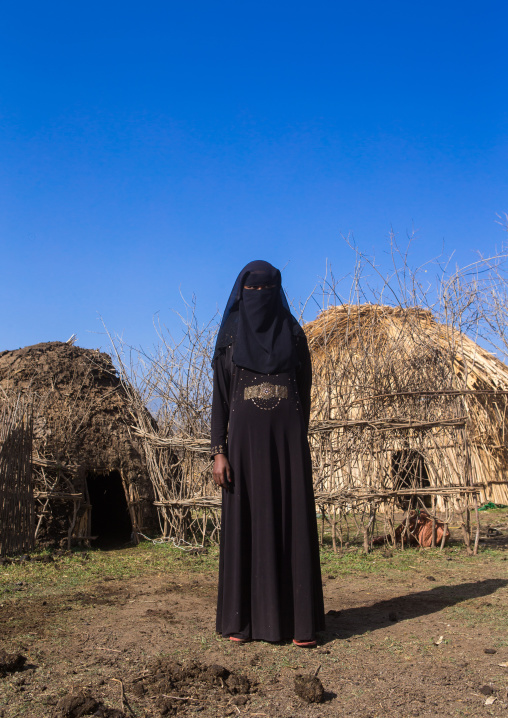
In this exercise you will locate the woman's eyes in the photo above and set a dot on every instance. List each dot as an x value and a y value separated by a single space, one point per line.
270 286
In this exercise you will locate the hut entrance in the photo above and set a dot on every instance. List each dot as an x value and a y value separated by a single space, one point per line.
410 472
111 522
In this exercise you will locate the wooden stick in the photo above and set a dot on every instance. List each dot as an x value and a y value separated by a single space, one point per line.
433 542
477 534
446 392
122 693
180 698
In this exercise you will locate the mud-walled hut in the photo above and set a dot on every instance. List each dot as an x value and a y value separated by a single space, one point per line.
402 401
89 474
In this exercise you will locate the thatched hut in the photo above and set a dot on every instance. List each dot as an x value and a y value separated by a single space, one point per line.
90 476
401 400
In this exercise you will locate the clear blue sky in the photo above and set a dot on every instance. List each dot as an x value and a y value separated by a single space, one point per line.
151 146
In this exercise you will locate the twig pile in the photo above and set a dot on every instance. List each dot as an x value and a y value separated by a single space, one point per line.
175 382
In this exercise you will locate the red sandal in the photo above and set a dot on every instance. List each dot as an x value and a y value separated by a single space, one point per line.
305 644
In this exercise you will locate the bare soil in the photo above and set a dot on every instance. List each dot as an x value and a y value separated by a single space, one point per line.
431 640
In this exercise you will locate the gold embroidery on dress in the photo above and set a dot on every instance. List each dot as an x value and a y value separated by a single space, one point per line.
265 391
217 450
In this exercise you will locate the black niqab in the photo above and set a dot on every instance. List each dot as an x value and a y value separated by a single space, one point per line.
259 323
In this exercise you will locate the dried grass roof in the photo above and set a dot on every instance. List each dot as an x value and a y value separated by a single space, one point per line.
374 365
81 410
378 329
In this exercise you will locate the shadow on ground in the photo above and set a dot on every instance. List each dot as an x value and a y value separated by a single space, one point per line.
363 619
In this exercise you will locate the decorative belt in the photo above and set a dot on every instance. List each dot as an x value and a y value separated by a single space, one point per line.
265 391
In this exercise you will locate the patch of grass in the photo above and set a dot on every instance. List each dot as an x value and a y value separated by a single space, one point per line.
81 570
354 561
381 561
488 517
479 611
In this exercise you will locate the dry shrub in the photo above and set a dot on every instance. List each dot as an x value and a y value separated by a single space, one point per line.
175 382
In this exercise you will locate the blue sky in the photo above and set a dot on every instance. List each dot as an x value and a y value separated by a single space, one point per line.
152 148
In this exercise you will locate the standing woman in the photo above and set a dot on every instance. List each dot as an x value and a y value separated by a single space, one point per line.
269 573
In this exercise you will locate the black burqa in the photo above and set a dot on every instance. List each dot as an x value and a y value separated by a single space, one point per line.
269 574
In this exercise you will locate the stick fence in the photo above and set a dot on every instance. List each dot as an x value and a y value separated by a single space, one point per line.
17 532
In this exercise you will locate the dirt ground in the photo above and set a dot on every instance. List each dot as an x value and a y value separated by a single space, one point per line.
421 635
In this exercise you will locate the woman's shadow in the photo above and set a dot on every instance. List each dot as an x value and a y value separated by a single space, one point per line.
363 619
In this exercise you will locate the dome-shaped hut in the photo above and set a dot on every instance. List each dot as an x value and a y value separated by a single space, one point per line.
403 401
90 477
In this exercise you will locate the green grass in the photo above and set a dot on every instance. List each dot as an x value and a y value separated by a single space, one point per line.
79 571
493 516
380 561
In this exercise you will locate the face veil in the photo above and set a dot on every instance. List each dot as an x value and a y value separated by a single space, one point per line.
258 322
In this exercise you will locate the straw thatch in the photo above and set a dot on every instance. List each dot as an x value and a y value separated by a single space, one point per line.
406 396
81 416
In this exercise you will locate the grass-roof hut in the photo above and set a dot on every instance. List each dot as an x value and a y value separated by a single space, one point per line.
401 400
90 476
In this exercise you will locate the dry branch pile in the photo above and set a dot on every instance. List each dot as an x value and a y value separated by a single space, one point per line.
175 382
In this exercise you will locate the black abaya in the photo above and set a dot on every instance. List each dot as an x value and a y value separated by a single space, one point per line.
269 576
